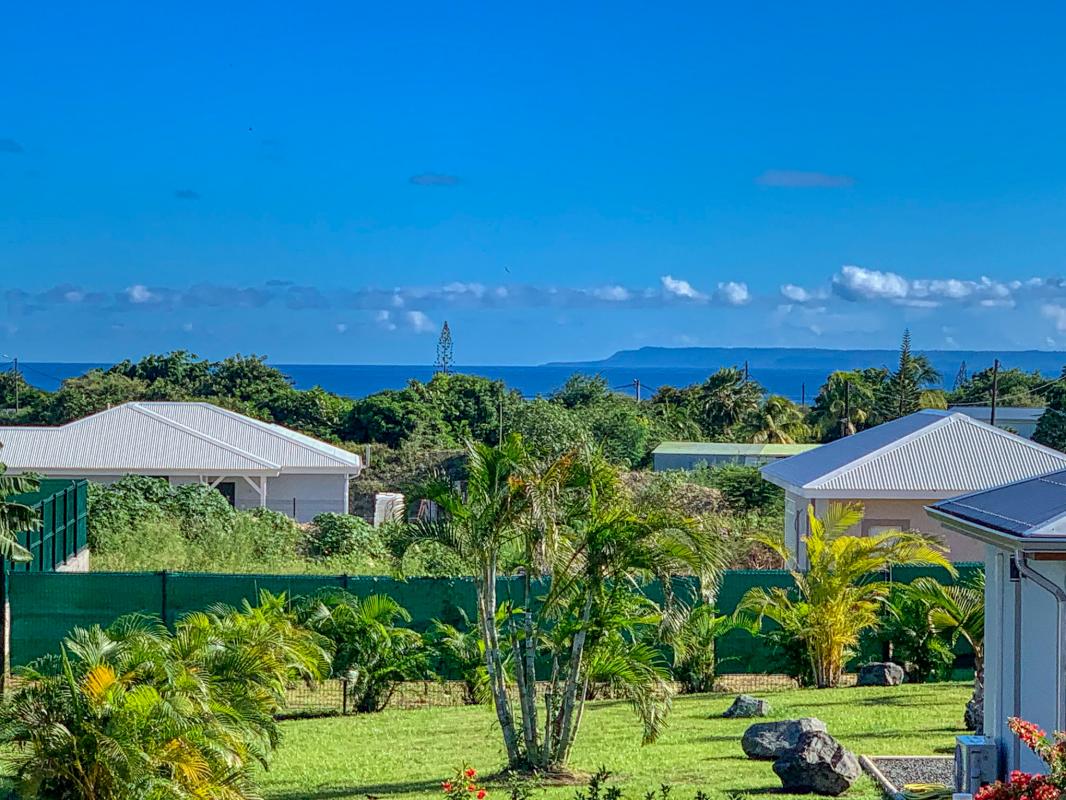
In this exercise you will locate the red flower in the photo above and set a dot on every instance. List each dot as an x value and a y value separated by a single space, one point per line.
481 795
446 785
470 773
471 788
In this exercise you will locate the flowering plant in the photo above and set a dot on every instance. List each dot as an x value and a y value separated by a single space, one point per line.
464 786
1028 786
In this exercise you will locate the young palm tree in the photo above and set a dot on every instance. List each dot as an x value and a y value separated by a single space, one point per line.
958 612
373 650
15 517
837 598
694 643
135 711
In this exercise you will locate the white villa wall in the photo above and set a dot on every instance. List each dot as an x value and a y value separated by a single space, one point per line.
1027 651
314 493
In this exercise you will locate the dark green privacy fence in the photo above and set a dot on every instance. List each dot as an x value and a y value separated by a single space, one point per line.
45 606
62 506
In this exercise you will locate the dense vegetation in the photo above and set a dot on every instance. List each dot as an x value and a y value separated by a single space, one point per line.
442 413
138 711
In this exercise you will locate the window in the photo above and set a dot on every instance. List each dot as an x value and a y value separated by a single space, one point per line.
872 527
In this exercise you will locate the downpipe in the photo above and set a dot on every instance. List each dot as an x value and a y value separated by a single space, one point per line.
1025 571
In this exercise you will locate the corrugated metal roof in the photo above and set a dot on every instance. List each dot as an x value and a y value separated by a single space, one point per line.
272 442
930 452
1035 507
731 449
165 438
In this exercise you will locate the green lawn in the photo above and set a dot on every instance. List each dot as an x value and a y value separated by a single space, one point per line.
405 754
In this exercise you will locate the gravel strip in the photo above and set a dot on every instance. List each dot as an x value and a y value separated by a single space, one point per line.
900 770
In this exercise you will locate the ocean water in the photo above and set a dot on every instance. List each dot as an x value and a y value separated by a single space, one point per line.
359 380
769 367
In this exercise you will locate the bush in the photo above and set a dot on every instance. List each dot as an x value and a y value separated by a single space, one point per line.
341 535
742 487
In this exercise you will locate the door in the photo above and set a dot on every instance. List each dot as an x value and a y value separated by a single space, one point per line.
228 489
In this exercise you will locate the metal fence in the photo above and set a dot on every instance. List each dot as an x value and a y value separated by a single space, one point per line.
63 509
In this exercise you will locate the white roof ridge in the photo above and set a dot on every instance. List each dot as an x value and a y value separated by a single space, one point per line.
141 409
271 428
945 417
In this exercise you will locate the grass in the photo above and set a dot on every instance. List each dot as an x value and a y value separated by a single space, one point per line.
405 754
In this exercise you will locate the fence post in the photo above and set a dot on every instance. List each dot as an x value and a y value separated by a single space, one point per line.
344 696
344 581
163 594
5 626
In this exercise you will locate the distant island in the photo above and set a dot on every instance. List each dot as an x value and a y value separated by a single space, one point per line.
1049 362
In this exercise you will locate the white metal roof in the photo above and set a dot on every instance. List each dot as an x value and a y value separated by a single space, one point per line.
169 438
926 455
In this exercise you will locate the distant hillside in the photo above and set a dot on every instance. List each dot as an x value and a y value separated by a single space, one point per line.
946 361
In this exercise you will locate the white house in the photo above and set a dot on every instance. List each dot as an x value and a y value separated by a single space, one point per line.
1022 528
689 455
253 463
1017 419
898 468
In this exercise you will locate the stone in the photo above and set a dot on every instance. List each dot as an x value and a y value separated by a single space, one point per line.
818 763
769 740
747 706
974 717
881 673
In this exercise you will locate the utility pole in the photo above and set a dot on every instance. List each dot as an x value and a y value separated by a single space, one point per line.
15 362
803 394
636 387
845 421
745 370
500 440
995 391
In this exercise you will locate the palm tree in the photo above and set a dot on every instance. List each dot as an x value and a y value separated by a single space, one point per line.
136 711
776 421
482 523
845 403
695 645
15 517
836 599
724 399
374 651
958 612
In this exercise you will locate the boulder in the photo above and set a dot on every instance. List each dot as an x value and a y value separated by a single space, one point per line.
974 718
881 673
818 763
769 740
747 706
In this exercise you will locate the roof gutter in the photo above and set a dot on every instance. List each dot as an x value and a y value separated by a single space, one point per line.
1059 594
1006 541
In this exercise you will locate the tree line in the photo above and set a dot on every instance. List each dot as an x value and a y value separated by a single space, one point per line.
449 409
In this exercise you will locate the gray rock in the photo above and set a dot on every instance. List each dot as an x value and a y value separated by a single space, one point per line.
818 763
882 673
974 717
769 740
747 706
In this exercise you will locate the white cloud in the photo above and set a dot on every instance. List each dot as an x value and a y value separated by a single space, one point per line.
1056 313
797 294
340 327
680 288
419 322
733 293
384 320
138 293
612 294
859 283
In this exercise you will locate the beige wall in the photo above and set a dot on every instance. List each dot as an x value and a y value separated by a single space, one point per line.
910 515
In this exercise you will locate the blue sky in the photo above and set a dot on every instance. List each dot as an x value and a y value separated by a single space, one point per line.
328 183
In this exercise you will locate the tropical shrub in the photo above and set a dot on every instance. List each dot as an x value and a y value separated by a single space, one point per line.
463 785
912 639
15 517
341 535
742 487
693 642
836 600
461 651
135 711
372 649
